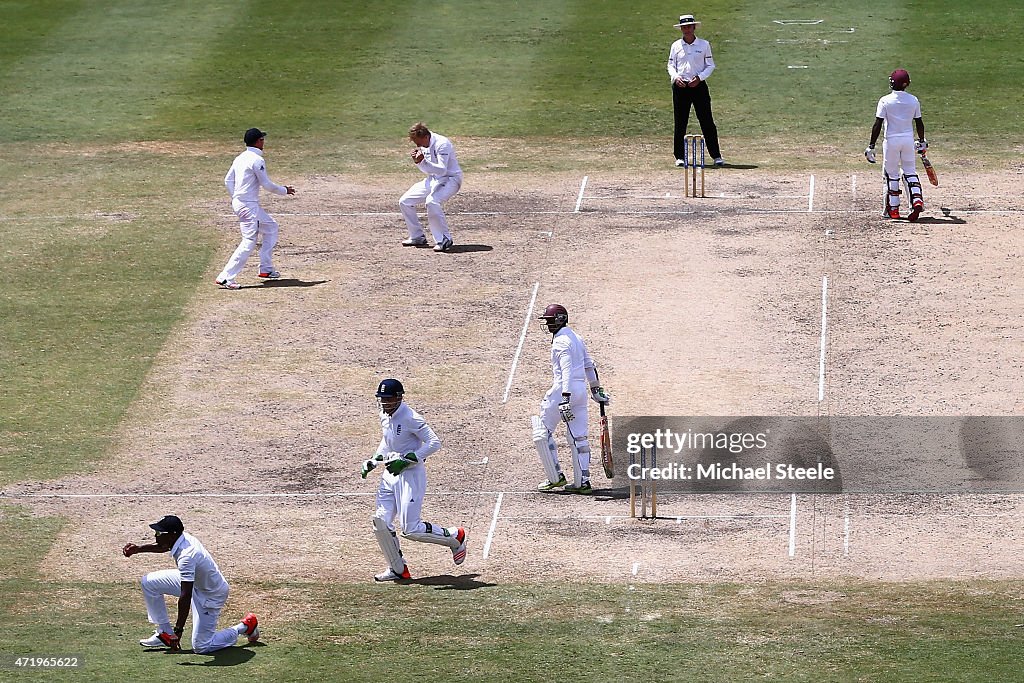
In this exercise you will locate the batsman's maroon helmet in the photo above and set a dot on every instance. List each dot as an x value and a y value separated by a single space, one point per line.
555 316
899 79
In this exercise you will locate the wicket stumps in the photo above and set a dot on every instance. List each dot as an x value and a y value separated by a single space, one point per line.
691 144
647 486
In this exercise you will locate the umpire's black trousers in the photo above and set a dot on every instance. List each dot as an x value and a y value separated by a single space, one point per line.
700 98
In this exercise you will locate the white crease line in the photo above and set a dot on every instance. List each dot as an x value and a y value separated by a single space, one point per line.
853 186
792 526
636 568
579 199
494 523
522 338
810 196
824 337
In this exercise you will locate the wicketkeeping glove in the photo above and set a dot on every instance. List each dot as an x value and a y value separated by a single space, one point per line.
565 408
869 154
396 466
600 395
370 465
921 145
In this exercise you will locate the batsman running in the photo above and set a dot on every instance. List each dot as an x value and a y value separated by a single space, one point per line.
900 113
573 370
404 447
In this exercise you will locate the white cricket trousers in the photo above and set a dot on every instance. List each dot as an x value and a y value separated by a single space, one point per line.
257 226
205 610
432 193
551 416
402 497
898 153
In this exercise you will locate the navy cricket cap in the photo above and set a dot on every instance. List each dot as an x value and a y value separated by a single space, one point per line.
169 524
252 135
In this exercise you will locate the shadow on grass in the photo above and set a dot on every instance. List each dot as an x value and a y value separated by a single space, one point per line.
229 656
448 582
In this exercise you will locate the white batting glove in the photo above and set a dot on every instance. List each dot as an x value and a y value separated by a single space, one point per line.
600 395
869 154
565 409
921 145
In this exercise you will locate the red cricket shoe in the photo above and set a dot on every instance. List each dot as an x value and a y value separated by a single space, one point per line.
918 208
894 212
251 623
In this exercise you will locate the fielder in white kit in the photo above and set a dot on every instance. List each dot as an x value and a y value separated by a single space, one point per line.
247 174
199 587
406 443
573 370
435 156
900 112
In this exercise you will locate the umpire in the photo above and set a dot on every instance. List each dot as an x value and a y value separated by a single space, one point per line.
689 65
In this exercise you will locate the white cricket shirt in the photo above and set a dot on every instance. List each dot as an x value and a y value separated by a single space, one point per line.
196 564
407 432
898 110
439 159
247 173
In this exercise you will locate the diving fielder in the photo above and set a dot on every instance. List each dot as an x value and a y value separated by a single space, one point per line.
572 369
901 113
404 447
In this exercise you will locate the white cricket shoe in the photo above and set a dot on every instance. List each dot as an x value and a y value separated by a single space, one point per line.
680 163
390 575
158 639
415 242
459 554
228 284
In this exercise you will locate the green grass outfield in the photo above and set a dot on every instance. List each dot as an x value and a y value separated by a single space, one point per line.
938 631
103 241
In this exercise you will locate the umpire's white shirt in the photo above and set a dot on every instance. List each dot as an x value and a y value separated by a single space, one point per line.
899 109
407 432
247 173
690 59
439 160
570 362
195 564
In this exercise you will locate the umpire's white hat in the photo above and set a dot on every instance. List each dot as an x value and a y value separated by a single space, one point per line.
687 20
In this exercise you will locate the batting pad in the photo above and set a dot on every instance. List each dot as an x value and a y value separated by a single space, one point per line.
546 450
388 543
432 534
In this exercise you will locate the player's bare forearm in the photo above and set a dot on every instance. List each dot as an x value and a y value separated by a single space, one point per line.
919 123
876 130
131 549
184 605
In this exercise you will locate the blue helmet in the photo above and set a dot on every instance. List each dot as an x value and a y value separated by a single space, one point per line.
390 388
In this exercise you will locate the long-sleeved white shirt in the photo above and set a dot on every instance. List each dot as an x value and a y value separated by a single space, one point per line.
407 432
689 60
439 159
898 110
247 173
571 365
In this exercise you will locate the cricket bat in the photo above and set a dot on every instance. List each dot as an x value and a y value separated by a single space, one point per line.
933 177
606 446
606 439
